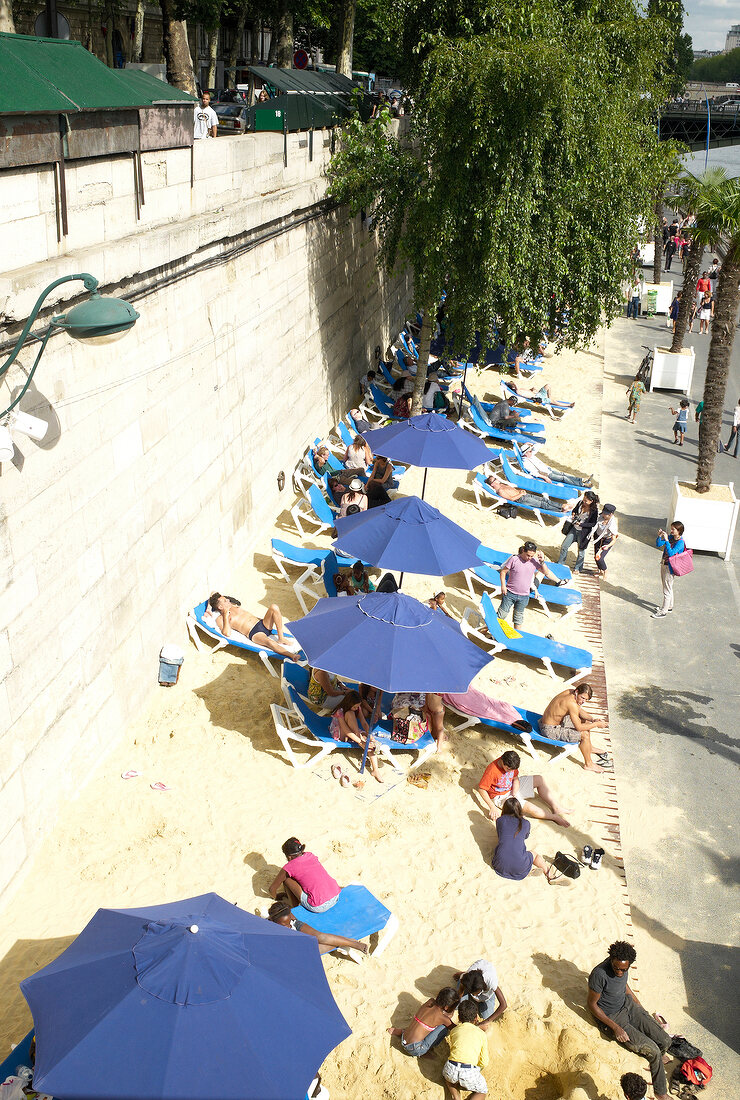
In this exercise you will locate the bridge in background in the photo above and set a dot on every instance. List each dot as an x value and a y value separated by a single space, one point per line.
690 124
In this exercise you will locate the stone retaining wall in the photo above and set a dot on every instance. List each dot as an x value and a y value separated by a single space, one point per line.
260 307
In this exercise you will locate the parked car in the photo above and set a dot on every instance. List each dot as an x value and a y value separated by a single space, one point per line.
231 117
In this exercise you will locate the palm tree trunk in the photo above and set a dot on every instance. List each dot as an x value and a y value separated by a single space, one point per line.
690 277
213 34
658 234
6 17
425 340
176 49
138 45
346 37
236 45
718 367
284 31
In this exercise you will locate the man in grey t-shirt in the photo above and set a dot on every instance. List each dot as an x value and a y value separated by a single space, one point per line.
616 1009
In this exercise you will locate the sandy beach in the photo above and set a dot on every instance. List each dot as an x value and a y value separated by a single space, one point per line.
424 852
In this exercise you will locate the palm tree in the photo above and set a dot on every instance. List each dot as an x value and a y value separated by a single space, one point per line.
719 213
695 195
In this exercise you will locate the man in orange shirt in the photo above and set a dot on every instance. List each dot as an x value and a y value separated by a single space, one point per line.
501 780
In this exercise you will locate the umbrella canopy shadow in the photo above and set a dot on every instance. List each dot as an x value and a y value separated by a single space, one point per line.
23 959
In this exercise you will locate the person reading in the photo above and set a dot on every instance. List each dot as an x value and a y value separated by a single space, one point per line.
501 780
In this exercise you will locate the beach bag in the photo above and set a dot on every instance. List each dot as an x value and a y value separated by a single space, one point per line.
691 1075
508 511
682 1050
682 563
566 865
567 527
409 728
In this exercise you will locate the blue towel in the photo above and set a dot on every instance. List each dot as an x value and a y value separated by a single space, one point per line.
356 915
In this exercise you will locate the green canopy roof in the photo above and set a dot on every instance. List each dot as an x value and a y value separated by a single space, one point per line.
304 80
42 75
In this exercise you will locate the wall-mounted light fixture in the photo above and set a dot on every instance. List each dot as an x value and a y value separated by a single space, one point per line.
97 320
281 481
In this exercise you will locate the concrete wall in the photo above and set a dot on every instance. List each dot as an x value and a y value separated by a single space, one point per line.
259 309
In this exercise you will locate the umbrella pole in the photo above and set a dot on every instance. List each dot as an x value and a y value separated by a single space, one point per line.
424 484
462 391
373 720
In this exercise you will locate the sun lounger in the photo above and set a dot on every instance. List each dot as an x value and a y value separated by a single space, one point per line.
556 409
196 622
315 511
311 562
528 645
498 557
568 599
481 427
483 408
357 914
298 723
485 494
567 748
553 490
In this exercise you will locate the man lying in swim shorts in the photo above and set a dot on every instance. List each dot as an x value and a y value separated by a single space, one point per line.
565 720
230 616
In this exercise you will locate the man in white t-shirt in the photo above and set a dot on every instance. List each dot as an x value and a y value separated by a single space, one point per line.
205 119
735 430
536 468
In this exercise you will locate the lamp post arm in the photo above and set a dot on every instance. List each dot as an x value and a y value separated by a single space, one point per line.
90 283
31 373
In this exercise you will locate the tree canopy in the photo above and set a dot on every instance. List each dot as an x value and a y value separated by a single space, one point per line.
531 159
721 69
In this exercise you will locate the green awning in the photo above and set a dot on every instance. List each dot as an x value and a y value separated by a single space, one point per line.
42 75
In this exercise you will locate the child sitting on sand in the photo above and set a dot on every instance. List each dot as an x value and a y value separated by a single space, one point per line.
430 1025
304 880
345 726
468 1055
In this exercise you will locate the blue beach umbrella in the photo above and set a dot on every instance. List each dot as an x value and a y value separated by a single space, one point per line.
429 440
408 535
389 640
185 1001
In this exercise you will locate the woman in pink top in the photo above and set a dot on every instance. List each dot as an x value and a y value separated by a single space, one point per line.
304 881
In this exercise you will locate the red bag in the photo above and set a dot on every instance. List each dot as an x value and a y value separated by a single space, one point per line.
682 563
697 1072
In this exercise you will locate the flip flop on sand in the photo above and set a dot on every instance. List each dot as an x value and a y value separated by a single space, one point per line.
336 771
160 786
130 774
344 781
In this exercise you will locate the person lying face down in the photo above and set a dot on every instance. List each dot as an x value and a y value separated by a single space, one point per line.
228 616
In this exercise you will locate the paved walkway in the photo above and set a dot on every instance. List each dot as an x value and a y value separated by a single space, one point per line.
674 690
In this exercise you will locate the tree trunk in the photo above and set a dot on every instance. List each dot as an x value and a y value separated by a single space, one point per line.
690 277
176 50
284 32
658 237
137 48
6 17
425 339
346 37
272 51
256 43
212 56
718 366
236 45
109 15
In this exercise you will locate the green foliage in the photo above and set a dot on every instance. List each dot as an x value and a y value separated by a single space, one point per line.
723 69
532 159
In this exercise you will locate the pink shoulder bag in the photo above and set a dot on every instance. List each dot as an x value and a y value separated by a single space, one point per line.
682 563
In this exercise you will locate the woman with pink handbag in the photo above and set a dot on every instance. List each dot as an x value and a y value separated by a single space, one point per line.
676 562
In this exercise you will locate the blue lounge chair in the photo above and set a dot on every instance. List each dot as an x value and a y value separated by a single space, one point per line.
525 426
546 595
356 914
313 510
547 489
196 622
485 494
529 645
19 1056
526 737
550 472
298 723
481 426
556 409
498 557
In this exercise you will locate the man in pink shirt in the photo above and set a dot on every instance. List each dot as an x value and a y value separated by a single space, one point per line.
517 579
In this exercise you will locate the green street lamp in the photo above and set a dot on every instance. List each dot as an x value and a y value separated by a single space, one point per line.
97 320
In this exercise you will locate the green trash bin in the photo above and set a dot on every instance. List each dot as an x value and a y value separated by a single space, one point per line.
652 303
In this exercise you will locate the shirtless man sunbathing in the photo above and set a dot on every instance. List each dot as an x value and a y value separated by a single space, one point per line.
230 616
521 496
566 720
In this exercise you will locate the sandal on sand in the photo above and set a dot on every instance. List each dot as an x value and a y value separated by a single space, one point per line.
160 786
660 1020
336 771
344 781
130 774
